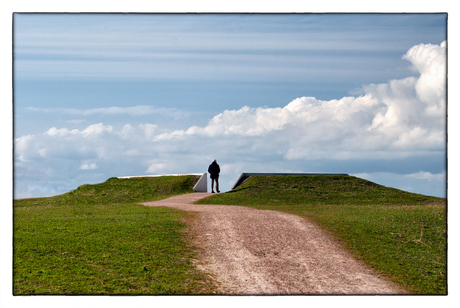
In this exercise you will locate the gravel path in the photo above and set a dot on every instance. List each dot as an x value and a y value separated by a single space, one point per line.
251 251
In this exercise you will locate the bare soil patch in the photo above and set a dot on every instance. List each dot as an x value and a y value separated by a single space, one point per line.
251 251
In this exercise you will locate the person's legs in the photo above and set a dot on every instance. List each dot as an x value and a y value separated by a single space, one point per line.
217 185
212 185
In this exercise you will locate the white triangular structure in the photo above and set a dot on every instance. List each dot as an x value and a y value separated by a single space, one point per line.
202 184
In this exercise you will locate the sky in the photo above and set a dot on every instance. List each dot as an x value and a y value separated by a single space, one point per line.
105 95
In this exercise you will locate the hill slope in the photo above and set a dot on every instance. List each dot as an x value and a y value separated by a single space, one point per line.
400 234
318 189
116 190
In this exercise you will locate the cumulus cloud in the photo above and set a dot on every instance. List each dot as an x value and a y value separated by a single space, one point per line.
62 132
96 141
430 61
96 129
401 115
22 143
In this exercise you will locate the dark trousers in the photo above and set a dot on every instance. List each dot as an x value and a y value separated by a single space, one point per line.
216 180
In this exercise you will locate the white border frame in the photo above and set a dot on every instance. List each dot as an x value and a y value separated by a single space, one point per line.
7 7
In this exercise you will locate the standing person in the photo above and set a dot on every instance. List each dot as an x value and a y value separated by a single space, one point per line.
214 171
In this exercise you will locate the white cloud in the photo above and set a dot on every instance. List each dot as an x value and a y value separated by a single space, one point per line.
430 61
62 132
148 129
422 175
92 166
156 168
93 129
401 115
96 129
22 143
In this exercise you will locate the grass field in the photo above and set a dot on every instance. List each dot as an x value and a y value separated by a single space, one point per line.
402 235
95 240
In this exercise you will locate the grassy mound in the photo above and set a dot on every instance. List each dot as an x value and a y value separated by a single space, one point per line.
400 234
116 190
94 240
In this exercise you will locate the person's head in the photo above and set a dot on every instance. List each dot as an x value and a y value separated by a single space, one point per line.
214 161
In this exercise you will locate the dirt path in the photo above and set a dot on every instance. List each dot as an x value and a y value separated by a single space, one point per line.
252 251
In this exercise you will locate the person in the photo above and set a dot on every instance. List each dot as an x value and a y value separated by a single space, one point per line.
214 171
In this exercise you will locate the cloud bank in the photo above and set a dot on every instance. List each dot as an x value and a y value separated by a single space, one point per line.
401 115
395 120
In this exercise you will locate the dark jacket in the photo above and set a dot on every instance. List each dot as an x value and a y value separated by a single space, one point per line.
214 170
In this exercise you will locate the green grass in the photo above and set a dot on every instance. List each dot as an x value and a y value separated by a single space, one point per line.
400 234
95 240
116 190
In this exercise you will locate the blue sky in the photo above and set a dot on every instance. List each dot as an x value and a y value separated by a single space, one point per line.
102 95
